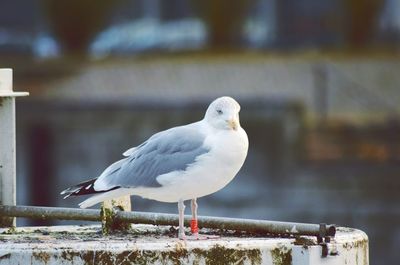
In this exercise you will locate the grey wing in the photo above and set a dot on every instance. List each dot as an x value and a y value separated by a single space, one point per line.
165 152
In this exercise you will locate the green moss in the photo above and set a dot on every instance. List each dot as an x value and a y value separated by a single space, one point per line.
222 255
88 257
106 220
360 244
304 241
104 258
109 224
281 256
41 256
10 231
68 255
125 257
179 255
356 244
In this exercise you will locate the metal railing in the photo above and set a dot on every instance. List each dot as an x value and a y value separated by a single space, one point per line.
246 225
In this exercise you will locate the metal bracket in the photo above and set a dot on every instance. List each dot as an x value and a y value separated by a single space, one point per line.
324 237
7 143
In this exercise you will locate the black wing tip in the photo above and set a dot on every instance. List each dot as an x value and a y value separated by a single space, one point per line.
84 188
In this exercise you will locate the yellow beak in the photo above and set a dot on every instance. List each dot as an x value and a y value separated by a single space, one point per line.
233 124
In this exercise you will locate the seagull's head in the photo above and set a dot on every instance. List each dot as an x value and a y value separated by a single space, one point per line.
223 113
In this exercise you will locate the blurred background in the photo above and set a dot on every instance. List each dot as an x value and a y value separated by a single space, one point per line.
318 82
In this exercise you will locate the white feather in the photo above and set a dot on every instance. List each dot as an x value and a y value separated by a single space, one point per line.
104 197
130 151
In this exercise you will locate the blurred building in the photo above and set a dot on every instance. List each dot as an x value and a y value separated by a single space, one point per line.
132 26
309 24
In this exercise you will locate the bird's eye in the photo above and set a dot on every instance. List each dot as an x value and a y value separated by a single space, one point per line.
219 111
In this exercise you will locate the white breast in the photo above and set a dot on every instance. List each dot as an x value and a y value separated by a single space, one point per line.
211 172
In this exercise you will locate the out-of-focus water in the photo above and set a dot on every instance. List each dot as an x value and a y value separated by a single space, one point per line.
60 147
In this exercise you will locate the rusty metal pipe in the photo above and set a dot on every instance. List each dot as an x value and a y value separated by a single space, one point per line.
247 225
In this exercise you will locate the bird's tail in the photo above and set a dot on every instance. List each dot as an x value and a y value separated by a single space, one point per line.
108 195
83 188
87 188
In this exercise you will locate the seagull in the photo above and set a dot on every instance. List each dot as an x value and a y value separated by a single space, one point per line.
182 163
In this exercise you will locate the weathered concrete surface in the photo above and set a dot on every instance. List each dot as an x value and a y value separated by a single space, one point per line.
158 245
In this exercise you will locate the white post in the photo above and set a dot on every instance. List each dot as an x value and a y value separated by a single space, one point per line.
7 143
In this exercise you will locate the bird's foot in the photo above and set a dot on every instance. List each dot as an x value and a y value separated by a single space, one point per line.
182 236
